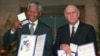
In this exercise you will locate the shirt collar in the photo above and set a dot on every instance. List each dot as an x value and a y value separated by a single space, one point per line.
35 22
75 26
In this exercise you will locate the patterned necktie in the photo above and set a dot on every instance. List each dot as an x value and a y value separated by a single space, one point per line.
32 29
73 32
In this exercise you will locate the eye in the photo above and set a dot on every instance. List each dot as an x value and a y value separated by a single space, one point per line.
74 12
68 13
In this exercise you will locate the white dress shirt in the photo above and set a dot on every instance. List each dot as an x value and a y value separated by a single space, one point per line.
35 25
75 27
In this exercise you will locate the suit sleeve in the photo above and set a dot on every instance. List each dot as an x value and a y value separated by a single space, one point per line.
57 43
92 38
9 38
49 44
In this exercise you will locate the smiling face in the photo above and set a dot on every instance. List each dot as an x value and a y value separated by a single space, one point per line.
72 14
33 13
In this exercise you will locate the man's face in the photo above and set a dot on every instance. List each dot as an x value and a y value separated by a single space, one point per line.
33 13
72 14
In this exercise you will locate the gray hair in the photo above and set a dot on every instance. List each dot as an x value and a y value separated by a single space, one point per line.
33 3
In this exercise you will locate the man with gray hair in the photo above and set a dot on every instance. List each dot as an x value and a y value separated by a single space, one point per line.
75 32
33 13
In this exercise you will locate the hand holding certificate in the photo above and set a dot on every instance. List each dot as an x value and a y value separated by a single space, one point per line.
62 53
22 18
83 50
73 48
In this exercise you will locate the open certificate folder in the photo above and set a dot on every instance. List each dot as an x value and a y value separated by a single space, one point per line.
82 50
31 45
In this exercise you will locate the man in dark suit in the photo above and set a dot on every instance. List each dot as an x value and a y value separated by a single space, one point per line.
75 32
33 13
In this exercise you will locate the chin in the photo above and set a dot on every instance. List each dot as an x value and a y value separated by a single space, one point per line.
72 22
32 20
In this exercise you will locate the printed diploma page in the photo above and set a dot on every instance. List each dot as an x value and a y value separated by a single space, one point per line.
27 45
32 45
86 50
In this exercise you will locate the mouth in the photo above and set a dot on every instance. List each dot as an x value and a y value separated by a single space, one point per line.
31 17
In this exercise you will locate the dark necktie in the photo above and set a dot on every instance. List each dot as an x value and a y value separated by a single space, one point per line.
32 29
72 33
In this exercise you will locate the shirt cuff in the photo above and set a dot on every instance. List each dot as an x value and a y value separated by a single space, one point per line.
12 32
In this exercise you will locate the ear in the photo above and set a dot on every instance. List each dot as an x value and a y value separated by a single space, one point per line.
78 13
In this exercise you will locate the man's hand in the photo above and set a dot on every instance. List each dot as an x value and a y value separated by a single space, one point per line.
66 48
16 25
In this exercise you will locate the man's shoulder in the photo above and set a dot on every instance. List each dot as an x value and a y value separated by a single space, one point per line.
86 25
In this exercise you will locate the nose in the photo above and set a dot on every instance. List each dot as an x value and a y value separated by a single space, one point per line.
71 15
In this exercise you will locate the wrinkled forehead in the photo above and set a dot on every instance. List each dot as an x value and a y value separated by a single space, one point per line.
71 7
33 6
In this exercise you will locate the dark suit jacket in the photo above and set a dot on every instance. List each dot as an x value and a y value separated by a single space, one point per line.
84 34
41 29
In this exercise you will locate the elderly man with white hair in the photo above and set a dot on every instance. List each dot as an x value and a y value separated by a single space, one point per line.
33 13
75 32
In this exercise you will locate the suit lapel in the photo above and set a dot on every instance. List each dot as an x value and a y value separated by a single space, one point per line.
66 35
26 30
77 34
78 31
38 29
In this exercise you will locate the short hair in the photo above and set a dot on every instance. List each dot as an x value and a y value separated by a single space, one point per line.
33 3
73 6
